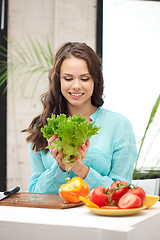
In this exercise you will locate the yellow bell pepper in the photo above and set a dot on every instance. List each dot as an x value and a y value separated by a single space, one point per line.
71 190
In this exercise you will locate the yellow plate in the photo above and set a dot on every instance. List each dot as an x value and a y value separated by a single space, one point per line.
150 200
116 212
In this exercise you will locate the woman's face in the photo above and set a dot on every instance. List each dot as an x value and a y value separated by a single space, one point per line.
77 84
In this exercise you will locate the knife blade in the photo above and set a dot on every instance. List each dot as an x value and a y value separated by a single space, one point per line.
9 193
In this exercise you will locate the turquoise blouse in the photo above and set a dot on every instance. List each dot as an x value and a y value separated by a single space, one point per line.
111 156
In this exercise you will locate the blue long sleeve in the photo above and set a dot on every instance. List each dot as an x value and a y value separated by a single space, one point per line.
46 176
111 156
119 146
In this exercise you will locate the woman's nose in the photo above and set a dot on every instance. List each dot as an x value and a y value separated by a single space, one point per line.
76 84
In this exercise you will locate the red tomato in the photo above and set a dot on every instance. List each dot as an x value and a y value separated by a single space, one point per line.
110 207
129 200
99 197
139 192
118 189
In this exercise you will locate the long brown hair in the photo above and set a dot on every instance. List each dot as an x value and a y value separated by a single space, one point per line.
53 100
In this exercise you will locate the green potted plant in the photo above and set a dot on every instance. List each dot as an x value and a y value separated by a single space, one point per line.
27 60
152 172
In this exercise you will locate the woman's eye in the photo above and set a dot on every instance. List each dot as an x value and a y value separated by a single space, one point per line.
85 79
67 78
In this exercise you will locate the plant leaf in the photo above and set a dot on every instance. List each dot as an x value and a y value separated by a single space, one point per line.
152 115
25 61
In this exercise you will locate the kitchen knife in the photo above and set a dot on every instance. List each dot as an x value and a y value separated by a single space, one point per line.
9 193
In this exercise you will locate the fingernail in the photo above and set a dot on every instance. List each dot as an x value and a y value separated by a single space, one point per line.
83 145
76 158
55 135
87 141
79 148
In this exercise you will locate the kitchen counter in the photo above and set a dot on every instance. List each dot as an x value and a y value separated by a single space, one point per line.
22 223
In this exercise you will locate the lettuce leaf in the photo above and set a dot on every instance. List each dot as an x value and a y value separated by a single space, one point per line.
72 133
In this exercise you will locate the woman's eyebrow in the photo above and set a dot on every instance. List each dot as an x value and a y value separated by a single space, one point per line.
67 74
84 74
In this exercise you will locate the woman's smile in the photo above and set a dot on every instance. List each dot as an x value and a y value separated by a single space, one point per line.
76 95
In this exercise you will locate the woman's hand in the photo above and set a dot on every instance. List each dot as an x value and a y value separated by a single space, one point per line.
54 152
83 150
80 169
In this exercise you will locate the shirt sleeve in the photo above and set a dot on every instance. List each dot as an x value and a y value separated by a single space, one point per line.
124 156
44 180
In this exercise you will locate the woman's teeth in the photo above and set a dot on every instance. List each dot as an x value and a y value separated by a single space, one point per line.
76 94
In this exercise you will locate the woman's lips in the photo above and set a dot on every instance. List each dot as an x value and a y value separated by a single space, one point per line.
76 95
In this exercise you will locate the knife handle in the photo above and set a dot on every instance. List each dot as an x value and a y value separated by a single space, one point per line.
12 191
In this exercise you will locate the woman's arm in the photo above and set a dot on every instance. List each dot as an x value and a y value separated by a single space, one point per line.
44 180
124 156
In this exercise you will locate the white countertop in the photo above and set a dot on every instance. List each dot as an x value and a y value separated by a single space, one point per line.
39 223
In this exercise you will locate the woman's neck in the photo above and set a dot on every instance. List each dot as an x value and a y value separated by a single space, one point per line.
85 112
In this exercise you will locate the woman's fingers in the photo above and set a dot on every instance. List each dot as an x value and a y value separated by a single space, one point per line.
60 162
87 143
83 151
84 148
54 152
52 139
59 157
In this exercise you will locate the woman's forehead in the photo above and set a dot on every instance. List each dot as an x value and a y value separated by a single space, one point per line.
73 64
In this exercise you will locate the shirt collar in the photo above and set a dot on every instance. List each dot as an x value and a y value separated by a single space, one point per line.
95 114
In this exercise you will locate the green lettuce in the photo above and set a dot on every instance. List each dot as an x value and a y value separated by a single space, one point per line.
72 133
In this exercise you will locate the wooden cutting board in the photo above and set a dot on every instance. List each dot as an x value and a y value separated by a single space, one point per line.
38 200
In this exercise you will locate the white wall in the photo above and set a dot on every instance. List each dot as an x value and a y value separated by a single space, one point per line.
60 21
131 65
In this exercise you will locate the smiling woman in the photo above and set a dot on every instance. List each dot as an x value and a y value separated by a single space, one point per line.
76 87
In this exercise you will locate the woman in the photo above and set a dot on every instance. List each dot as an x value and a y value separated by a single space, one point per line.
76 86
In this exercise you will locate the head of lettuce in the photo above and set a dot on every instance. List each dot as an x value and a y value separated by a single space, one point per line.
72 133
